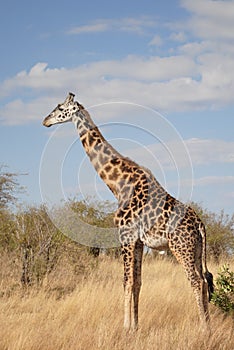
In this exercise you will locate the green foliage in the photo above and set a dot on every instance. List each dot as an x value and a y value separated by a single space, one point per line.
95 213
90 224
7 231
39 248
220 232
223 296
9 188
38 243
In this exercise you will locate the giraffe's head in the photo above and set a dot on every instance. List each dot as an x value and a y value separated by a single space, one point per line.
63 112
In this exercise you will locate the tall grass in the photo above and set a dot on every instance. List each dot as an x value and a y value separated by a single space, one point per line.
90 316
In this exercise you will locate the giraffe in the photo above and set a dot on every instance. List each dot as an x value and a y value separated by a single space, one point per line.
146 214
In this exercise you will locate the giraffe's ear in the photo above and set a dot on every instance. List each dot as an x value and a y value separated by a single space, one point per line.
70 98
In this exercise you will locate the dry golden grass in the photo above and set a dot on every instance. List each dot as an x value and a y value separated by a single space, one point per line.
91 316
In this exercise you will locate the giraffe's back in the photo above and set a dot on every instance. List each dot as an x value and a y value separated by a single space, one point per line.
165 218
152 212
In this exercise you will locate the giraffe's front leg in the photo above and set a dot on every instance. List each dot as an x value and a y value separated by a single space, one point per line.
132 256
138 253
128 258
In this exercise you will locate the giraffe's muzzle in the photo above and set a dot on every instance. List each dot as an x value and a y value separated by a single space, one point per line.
46 122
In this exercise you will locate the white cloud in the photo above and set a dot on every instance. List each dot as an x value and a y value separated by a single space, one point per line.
199 76
156 41
171 154
210 151
92 28
211 19
178 36
39 77
208 29
217 70
163 83
161 157
135 25
19 112
137 68
214 180
195 48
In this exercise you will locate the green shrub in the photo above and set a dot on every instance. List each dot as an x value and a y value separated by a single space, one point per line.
223 296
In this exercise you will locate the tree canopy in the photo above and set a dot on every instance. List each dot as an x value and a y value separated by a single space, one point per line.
9 187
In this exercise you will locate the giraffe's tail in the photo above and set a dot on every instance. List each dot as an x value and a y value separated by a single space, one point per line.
207 274
209 279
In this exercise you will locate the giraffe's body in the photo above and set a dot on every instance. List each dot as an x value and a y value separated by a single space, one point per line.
146 214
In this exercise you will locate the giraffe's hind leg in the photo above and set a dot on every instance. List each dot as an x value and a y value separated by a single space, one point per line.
192 263
200 289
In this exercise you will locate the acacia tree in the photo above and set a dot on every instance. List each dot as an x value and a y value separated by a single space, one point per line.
220 232
9 187
98 214
38 241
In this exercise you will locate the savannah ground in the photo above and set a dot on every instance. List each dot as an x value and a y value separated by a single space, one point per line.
87 313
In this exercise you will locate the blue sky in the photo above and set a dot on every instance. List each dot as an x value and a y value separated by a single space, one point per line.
157 77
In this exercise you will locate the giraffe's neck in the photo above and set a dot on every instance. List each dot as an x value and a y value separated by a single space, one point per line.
101 154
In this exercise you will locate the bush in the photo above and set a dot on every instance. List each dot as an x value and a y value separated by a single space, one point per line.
38 242
220 232
223 296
